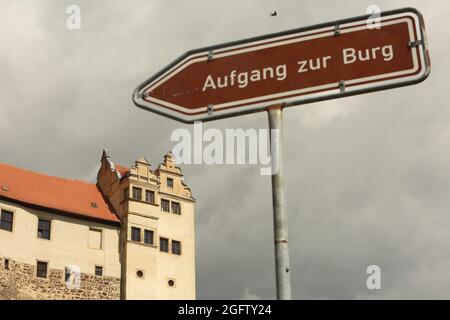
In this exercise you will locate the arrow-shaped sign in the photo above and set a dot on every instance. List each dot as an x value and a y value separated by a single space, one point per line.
295 67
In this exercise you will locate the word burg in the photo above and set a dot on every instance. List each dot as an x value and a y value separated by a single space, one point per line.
352 55
280 72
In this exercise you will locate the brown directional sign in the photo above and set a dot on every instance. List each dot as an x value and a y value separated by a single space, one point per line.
300 66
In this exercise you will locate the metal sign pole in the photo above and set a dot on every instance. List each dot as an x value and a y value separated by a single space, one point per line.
283 275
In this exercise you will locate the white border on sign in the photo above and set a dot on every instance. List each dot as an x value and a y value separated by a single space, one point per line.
258 103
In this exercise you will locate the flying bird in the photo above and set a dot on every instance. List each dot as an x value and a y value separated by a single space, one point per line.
273 14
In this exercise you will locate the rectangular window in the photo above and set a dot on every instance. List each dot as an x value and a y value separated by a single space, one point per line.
44 229
98 271
41 269
135 234
149 196
126 194
165 205
137 193
176 208
6 264
170 183
163 244
148 237
176 247
95 239
6 220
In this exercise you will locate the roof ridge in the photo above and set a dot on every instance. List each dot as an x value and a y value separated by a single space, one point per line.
46 175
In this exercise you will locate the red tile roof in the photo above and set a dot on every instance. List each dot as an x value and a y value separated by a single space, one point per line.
70 196
121 169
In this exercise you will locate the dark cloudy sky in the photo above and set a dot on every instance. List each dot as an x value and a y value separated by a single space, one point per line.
368 177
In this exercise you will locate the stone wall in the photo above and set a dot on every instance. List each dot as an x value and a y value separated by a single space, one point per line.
21 283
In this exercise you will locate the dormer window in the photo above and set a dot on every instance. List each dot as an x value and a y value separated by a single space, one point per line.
170 183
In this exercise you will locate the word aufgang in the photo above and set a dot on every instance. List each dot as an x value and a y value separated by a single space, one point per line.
280 72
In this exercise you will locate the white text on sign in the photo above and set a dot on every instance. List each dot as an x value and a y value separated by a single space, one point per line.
280 72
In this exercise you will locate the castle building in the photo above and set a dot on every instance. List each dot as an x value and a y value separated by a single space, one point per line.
129 236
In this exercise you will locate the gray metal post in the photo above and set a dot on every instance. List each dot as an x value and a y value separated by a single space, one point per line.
283 274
